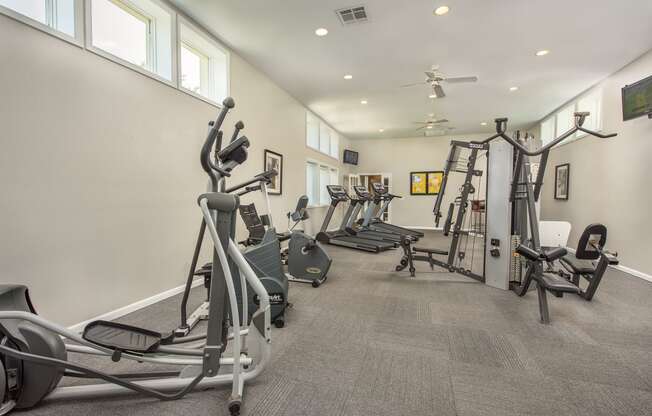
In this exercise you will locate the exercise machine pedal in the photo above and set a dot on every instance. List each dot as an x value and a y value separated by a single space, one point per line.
121 337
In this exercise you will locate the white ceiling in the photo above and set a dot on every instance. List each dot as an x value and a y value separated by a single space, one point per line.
493 39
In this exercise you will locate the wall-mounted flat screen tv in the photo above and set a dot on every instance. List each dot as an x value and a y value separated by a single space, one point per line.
350 157
637 99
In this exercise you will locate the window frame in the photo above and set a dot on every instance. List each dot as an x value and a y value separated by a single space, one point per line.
203 60
83 39
78 10
331 133
182 20
151 45
330 168
597 96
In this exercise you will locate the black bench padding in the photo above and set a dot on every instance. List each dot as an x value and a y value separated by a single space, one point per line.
577 265
557 283
430 251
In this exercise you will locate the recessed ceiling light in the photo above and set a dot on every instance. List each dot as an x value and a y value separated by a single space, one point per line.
442 10
513 88
432 96
543 52
428 126
363 102
483 123
347 76
321 32
381 130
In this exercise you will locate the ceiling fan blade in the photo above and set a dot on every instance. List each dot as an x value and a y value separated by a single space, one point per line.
421 128
441 120
420 122
457 80
439 91
412 85
430 74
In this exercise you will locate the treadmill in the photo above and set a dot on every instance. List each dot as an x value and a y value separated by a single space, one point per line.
341 237
374 222
362 196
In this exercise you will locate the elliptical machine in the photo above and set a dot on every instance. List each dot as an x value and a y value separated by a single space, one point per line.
34 355
263 258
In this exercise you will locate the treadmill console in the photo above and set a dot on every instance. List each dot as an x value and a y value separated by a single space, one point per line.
379 188
363 193
337 192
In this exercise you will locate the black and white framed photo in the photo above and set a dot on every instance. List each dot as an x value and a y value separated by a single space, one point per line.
274 161
562 176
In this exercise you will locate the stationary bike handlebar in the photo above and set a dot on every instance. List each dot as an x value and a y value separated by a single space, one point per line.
580 117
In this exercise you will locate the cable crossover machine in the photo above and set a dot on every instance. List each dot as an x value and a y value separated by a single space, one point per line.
512 257
466 231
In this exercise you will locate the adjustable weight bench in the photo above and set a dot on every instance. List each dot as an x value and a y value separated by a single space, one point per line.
412 254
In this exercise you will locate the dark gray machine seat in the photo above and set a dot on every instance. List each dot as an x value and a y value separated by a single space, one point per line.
578 266
556 283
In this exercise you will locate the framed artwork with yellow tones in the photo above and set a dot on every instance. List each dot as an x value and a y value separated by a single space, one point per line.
418 183
434 182
426 182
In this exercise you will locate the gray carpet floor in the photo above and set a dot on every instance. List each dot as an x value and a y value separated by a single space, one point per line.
371 341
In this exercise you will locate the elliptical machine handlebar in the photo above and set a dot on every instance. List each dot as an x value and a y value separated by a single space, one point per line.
264 177
214 138
238 126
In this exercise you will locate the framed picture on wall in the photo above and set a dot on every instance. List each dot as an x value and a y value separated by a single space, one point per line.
274 161
562 176
418 183
434 181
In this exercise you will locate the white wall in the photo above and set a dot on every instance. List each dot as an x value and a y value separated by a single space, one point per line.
399 157
99 171
610 178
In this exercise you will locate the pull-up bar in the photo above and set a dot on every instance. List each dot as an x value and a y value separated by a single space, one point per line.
580 117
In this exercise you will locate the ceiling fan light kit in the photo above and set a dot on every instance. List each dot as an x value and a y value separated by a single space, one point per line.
434 79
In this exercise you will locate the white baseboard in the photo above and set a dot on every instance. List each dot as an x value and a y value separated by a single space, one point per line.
115 314
624 269
633 272
419 227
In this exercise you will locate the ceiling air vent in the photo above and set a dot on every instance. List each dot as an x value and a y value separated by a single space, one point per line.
352 15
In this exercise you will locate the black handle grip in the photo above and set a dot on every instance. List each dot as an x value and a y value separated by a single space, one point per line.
220 201
238 127
227 105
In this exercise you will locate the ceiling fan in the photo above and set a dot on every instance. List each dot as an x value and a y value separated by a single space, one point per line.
439 131
435 78
429 124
